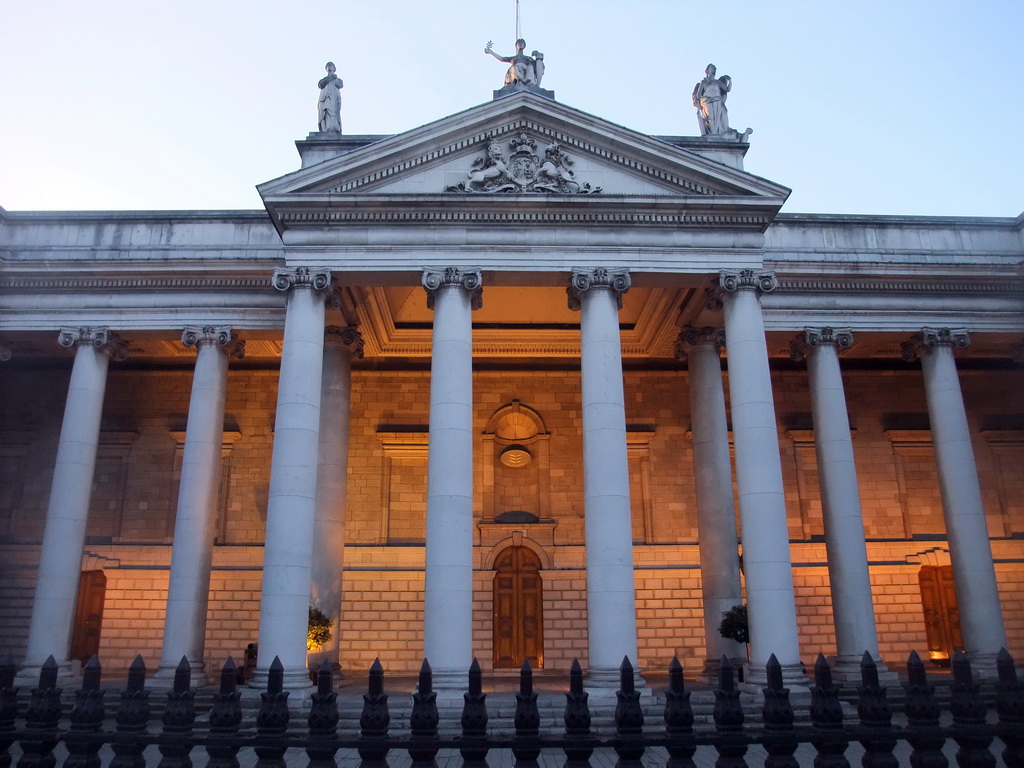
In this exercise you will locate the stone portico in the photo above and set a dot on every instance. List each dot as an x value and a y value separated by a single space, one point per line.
577 414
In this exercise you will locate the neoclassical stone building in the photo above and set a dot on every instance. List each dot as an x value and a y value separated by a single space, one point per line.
517 384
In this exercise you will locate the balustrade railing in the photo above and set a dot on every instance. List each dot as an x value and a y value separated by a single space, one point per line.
42 726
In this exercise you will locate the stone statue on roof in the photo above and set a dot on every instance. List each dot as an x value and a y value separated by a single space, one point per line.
523 69
329 104
709 97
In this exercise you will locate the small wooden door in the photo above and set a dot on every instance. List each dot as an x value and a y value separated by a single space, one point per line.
85 639
518 610
941 614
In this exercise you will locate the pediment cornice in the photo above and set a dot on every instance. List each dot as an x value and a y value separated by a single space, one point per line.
382 181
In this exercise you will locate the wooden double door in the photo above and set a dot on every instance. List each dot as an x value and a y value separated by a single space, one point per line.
518 609
941 613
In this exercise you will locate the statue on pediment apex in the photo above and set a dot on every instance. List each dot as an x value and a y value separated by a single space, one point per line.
329 104
523 69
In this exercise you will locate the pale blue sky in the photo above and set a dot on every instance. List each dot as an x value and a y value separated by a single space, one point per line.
894 107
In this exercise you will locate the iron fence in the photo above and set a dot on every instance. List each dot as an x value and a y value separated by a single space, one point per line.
176 734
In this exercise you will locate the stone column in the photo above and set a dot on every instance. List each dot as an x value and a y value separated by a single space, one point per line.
448 589
188 591
340 346
852 609
611 599
771 606
60 559
716 512
974 577
291 506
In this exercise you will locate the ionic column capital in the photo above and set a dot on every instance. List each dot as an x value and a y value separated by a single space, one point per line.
348 337
5 352
931 338
692 337
209 335
471 280
733 281
287 278
102 339
811 338
583 280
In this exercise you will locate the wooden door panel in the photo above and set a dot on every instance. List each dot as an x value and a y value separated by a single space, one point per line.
85 638
518 609
941 613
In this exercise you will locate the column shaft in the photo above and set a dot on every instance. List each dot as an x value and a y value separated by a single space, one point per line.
852 608
771 606
716 512
60 559
977 594
332 474
291 506
611 594
448 587
188 590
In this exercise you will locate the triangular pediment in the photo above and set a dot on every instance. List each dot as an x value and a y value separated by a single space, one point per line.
517 150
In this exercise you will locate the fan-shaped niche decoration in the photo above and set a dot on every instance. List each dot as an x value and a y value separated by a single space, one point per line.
516 464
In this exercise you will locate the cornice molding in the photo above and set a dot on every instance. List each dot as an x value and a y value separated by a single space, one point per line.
878 285
520 217
129 284
516 126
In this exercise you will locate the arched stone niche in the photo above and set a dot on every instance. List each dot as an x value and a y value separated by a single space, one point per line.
516 479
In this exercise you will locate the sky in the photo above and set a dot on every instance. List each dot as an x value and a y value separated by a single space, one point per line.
903 107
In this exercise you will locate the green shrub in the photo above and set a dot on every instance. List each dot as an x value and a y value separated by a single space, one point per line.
734 624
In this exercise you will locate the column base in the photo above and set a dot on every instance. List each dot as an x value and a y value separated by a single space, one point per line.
450 683
846 672
983 666
794 677
712 667
294 679
601 680
69 672
164 675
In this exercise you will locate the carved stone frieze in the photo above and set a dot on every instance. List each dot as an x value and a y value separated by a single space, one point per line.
930 338
102 339
523 169
471 280
348 337
841 338
692 336
583 280
758 280
222 336
285 278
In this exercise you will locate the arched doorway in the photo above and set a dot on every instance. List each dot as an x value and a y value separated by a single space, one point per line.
518 609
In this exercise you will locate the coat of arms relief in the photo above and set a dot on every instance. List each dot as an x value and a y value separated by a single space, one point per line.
523 170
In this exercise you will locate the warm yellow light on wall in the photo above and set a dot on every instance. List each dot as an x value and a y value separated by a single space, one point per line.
516 456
